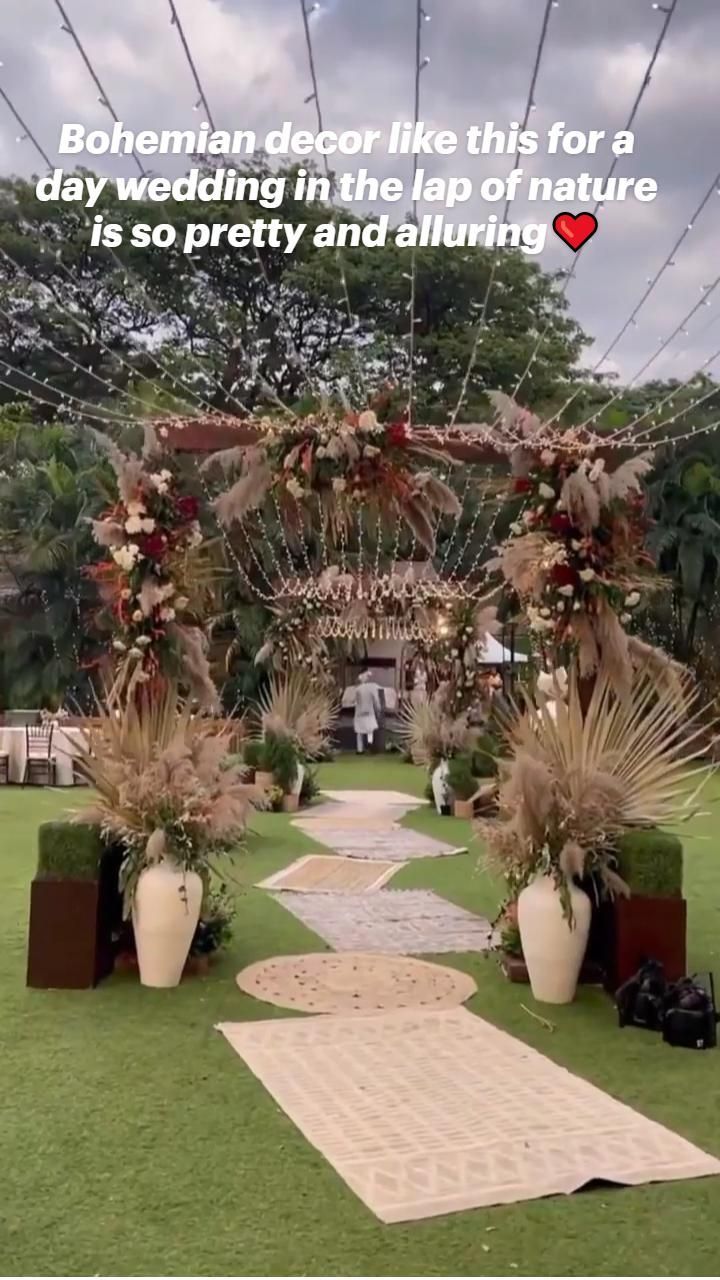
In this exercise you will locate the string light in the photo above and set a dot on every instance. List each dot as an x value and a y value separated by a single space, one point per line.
482 324
27 133
652 282
103 98
420 64
570 271
353 319
202 99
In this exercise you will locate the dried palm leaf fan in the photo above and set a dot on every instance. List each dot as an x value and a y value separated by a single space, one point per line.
578 777
298 707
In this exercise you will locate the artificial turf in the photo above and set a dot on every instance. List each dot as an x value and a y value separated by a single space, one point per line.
135 1142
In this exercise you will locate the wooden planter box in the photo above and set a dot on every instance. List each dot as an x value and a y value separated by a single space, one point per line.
463 808
73 925
264 780
642 928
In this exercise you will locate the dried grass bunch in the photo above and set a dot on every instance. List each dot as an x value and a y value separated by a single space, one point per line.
163 785
301 708
576 781
429 733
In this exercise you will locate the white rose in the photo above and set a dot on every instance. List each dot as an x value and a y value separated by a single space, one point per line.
167 615
587 575
625 618
516 528
632 600
295 488
567 590
166 475
119 646
138 615
546 491
147 525
339 484
547 457
181 602
545 613
135 508
134 524
125 557
577 606
560 606
143 641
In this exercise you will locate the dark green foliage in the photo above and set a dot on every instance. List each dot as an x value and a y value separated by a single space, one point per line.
253 754
461 778
280 757
214 929
69 851
484 757
651 863
310 786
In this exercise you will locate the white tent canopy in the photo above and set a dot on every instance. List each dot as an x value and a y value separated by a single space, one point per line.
493 654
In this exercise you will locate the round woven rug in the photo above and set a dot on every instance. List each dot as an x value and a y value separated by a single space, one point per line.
355 983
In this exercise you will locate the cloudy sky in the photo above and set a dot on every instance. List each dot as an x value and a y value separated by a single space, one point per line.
252 60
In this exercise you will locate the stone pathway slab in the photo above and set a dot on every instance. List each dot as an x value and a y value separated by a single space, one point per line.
390 921
397 844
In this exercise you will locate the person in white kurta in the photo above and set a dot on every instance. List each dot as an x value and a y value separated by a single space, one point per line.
367 710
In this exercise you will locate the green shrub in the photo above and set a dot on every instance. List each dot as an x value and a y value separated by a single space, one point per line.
280 758
461 778
69 851
215 926
310 786
651 863
484 757
253 754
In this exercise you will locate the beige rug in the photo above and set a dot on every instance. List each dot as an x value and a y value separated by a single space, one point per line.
355 983
320 873
425 1113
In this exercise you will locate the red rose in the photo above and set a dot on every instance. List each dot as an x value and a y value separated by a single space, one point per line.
562 575
397 434
522 485
153 545
187 508
560 523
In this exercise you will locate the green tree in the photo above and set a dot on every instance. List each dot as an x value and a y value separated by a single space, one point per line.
246 330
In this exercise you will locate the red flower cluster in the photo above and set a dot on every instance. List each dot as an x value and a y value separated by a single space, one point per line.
398 434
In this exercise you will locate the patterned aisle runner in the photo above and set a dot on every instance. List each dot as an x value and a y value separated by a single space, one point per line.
391 922
424 1113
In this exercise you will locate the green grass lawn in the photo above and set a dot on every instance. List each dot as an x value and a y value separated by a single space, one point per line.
135 1142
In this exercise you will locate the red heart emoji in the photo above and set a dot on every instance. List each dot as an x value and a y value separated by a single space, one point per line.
575 228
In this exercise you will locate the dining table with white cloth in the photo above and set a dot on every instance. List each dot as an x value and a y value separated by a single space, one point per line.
66 743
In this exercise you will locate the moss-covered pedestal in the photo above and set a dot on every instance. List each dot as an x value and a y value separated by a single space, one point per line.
75 908
652 922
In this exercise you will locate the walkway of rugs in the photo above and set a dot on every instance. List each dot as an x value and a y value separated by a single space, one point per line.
420 1106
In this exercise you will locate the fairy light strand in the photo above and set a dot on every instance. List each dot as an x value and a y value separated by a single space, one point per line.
27 133
482 323
420 65
669 13
353 320
103 98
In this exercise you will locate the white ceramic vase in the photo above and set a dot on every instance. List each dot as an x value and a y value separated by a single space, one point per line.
440 790
166 910
553 948
299 779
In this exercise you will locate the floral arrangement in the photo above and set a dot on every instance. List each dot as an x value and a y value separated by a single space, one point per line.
162 784
154 578
330 466
454 655
576 558
577 777
292 639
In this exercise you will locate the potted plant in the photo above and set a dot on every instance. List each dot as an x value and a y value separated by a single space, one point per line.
463 784
163 789
577 779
